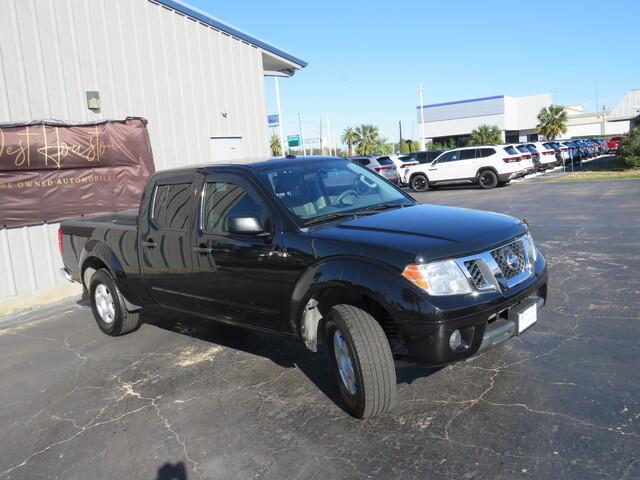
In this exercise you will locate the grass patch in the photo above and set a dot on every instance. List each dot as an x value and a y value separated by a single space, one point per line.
607 168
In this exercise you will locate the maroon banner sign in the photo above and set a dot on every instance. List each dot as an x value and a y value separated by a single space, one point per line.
50 171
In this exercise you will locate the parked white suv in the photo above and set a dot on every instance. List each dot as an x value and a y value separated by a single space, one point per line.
487 165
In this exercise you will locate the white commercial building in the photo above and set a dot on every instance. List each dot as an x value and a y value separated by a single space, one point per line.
198 81
517 117
514 116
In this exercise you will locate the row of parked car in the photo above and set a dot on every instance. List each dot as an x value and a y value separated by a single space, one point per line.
487 165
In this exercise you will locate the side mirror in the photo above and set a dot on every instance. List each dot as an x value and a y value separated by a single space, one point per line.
246 226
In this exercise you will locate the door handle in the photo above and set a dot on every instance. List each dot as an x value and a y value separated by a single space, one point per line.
149 243
203 250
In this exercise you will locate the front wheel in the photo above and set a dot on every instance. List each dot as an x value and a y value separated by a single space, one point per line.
419 183
488 179
109 307
361 361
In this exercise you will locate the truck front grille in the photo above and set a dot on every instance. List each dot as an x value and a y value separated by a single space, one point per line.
477 277
511 259
499 269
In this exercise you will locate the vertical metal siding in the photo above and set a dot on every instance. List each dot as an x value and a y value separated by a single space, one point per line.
145 59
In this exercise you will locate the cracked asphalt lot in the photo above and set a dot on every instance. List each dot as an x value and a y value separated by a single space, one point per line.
183 398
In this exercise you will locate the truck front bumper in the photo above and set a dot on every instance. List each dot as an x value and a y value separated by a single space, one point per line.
430 343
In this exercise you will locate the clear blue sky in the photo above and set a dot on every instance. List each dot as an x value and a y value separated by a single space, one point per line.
367 58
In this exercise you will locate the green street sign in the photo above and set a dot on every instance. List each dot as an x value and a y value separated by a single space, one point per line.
293 141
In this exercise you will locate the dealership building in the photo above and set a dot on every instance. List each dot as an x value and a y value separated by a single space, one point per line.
516 117
199 82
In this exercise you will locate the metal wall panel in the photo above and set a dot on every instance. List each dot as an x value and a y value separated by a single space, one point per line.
190 80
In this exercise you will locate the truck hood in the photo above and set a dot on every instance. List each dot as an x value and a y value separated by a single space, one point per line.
428 232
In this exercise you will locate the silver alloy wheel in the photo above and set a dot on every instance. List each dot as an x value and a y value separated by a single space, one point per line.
104 303
345 364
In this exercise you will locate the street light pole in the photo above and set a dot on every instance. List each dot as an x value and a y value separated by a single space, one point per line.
304 151
422 139
285 147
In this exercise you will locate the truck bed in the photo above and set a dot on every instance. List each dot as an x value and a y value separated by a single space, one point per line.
119 231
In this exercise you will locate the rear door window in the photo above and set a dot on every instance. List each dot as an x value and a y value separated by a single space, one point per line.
172 206
468 154
485 152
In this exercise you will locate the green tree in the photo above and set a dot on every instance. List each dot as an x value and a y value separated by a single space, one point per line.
552 121
486 135
367 137
276 146
350 137
407 146
629 149
381 147
443 145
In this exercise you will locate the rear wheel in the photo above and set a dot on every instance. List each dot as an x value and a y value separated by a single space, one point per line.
109 307
361 361
488 179
419 183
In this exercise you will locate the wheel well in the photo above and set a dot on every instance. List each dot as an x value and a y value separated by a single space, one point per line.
418 173
484 169
89 267
332 296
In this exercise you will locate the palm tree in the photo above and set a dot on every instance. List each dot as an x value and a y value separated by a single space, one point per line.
552 121
367 137
350 137
276 146
486 135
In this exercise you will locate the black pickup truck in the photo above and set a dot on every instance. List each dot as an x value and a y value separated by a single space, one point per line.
319 249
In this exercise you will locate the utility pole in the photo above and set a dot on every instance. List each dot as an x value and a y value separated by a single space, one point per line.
283 144
422 140
329 134
321 152
400 141
304 151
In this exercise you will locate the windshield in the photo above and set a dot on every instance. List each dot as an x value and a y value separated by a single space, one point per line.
334 187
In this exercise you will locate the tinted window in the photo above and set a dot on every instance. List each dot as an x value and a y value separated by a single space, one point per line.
510 150
451 156
172 205
223 200
485 152
469 154
363 161
385 161
522 149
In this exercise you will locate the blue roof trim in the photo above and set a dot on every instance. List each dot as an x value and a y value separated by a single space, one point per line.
495 97
214 22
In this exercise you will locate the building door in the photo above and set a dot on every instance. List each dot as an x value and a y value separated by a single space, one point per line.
226 149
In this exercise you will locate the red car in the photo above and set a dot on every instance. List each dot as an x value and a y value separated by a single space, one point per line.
613 142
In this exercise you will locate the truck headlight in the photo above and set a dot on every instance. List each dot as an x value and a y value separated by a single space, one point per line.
438 278
530 247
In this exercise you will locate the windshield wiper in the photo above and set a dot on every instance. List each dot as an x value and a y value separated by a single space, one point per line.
382 206
328 217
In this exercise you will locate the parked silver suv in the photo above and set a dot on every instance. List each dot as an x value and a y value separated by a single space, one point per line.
382 165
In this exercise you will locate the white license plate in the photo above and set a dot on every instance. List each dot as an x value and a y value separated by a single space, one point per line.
527 317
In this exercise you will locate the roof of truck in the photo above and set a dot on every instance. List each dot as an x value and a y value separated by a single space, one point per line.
249 164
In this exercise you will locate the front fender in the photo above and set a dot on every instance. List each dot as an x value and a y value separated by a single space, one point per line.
377 280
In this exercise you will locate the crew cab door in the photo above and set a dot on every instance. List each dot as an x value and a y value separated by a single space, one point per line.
165 242
445 167
237 277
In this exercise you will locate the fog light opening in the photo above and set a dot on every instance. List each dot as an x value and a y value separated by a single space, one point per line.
457 343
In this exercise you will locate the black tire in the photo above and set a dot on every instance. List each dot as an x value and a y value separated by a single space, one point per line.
370 356
122 321
487 179
419 183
